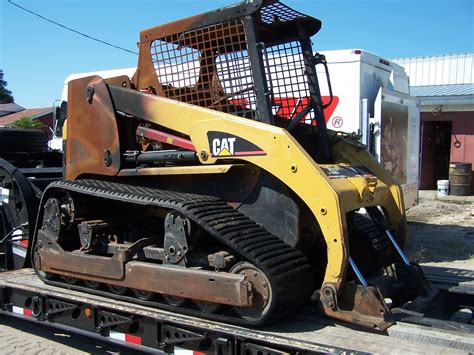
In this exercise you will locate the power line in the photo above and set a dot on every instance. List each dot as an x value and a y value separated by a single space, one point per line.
71 29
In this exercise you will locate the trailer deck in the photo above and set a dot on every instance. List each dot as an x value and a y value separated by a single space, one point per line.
24 295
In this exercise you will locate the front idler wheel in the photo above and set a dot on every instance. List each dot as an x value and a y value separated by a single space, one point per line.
262 299
37 264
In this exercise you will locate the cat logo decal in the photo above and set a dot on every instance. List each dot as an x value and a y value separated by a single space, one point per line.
226 145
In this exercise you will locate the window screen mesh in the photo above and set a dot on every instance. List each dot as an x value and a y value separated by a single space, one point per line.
210 67
287 80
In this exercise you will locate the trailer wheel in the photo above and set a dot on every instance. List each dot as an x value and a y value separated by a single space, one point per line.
19 205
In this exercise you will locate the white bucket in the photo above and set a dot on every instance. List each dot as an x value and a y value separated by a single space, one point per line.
443 187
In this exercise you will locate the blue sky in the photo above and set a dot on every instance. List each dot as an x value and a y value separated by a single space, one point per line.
36 56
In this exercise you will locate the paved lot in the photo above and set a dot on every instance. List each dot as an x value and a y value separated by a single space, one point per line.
20 337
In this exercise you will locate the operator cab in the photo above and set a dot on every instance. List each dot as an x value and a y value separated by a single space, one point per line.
252 59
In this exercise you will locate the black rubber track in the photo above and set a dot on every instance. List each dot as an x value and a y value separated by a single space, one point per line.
286 268
378 242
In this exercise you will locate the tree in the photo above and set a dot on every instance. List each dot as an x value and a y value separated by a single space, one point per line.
26 122
5 94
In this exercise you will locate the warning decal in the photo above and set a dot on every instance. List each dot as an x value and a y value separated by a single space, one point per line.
227 145
341 171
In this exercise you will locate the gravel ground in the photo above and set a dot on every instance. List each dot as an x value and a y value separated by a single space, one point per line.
441 233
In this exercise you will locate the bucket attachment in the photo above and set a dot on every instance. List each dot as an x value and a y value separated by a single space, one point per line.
401 285
357 304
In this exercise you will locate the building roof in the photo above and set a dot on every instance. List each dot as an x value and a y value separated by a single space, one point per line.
442 90
7 109
33 113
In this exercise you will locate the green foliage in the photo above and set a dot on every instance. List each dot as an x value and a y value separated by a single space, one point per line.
26 122
5 94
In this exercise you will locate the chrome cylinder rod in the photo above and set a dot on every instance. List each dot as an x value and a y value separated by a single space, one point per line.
399 250
358 273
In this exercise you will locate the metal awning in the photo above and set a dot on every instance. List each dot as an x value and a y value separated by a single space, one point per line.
458 94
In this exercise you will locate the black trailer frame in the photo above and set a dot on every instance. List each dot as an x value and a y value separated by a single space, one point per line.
23 294
139 327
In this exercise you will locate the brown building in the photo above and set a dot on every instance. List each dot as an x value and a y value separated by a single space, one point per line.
44 115
445 86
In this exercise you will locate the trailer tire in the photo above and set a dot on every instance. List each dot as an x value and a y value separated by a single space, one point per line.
22 206
23 140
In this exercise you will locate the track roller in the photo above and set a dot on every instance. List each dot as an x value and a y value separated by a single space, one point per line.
175 300
118 290
144 295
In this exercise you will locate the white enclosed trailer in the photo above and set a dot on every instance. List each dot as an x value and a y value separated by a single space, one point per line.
372 99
